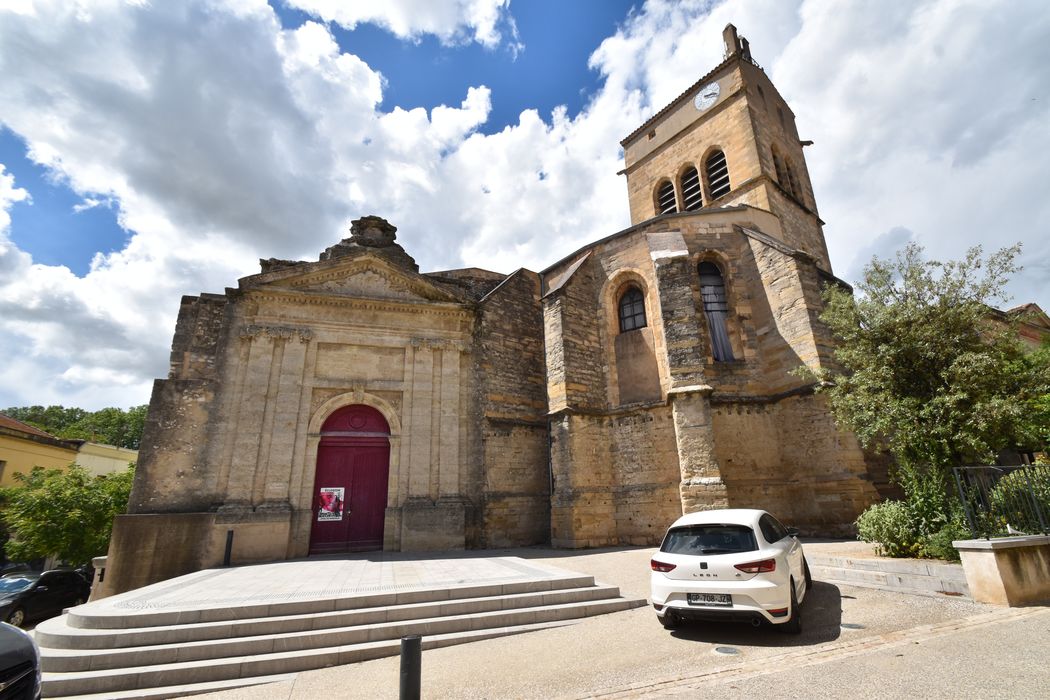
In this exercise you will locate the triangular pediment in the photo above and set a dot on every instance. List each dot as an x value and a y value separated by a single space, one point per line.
366 277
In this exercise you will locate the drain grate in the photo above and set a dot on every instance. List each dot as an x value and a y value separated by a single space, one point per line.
728 651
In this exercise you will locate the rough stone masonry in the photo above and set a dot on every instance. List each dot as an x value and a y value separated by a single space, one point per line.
354 403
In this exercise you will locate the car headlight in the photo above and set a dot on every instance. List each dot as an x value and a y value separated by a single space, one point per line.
5 602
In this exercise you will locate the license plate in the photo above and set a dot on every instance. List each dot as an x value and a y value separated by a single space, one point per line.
723 599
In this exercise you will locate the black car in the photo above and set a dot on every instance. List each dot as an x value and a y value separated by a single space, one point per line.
19 665
32 596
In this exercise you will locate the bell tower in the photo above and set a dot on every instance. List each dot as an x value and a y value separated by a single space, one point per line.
729 139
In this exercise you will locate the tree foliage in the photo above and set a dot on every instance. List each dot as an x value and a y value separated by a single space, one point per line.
926 366
63 513
111 426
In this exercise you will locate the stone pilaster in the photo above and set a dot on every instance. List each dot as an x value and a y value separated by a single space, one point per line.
701 485
249 423
422 414
448 448
286 419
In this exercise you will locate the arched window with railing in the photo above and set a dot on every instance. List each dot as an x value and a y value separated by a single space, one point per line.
665 200
717 174
692 194
716 309
632 310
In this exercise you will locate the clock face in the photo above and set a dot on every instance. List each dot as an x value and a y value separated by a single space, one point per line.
707 96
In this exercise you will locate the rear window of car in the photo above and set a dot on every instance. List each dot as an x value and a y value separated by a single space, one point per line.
709 539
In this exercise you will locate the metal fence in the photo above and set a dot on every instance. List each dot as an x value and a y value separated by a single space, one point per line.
1001 501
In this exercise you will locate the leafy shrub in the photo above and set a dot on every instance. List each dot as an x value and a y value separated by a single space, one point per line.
1011 501
890 527
938 545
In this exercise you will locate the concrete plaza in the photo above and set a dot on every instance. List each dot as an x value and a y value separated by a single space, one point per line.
857 642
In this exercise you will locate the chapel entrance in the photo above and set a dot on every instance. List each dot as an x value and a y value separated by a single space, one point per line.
350 486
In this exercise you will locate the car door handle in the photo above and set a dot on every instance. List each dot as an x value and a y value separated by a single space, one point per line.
41 588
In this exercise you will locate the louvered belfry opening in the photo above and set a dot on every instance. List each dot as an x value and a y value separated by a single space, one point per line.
632 310
716 308
665 199
717 174
692 195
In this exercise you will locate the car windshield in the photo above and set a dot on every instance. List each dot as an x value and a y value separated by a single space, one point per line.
14 584
709 539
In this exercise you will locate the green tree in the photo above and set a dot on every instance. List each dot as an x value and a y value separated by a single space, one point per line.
111 426
927 370
52 419
63 513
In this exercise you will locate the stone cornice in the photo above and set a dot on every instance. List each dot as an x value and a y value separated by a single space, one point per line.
439 344
428 308
254 330
721 398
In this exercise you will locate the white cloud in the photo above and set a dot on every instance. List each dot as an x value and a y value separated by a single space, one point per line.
452 21
9 194
218 137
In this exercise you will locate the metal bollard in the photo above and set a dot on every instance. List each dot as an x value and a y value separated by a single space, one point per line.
411 666
229 548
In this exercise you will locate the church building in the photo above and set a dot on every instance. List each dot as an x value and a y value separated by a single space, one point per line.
353 403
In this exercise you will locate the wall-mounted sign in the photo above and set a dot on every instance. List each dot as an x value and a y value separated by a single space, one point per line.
331 503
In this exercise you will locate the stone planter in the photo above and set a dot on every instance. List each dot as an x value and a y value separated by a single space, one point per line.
1007 570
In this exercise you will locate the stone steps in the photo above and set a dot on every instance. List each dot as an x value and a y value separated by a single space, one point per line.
910 576
98 653
360 653
58 635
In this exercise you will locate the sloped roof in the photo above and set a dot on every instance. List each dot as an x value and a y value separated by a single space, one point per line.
10 423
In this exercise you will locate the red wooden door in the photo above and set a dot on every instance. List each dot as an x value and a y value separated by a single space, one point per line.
350 487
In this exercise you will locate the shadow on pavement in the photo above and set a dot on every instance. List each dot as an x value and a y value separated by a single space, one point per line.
821 622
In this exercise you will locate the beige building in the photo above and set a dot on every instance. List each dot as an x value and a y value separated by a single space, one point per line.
101 459
23 446
354 403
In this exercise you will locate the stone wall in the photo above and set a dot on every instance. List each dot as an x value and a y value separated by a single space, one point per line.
788 457
513 481
172 473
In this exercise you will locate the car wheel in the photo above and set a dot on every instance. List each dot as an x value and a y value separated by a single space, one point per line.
794 623
17 617
809 576
669 620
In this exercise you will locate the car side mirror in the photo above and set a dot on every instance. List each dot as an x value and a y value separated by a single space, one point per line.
792 532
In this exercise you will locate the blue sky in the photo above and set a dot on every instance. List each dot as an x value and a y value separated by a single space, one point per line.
152 150
550 70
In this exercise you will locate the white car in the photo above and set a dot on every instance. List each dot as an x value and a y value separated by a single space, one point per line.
730 565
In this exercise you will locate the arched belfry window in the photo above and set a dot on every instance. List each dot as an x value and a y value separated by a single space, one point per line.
665 202
778 165
717 174
692 197
794 186
632 310
713 292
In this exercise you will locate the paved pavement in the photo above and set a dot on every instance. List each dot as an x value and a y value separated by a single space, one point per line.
857 642
351 577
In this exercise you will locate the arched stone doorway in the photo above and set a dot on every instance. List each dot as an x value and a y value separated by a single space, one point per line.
350 486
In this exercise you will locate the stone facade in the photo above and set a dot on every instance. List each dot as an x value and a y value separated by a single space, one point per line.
518 408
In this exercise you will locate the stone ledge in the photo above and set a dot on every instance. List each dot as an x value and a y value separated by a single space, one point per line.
1001 543
1007 570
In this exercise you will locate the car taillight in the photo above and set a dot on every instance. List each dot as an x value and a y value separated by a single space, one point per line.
758 567
662 567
